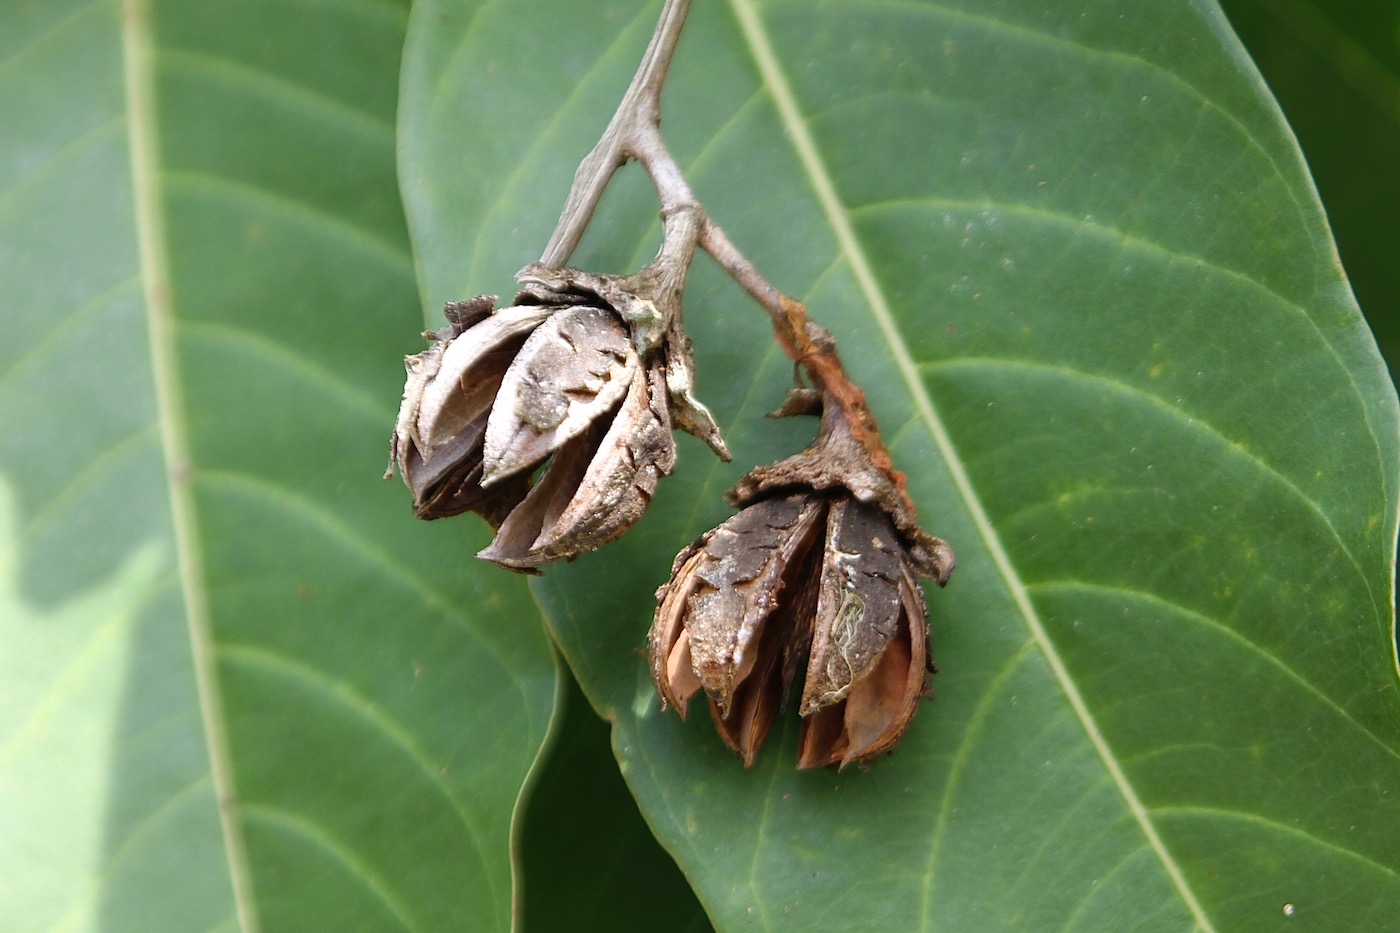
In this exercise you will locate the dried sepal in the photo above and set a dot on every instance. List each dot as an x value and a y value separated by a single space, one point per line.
875 712
762 692
686 410
437 439
716 604
656 333
672 667
468 374
857 602
622 475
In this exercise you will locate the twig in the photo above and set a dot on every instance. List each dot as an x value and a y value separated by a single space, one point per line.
634 133
632 126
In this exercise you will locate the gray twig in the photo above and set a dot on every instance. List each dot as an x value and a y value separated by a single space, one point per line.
634 133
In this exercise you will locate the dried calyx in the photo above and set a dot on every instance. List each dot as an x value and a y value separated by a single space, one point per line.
816 575
551 418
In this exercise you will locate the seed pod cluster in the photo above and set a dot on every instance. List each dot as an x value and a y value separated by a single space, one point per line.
550 418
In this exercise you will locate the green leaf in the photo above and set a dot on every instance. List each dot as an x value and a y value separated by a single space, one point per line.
590 862
1072 253
242 685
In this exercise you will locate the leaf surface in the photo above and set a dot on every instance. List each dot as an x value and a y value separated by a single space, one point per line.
1073 255
590 862
243 686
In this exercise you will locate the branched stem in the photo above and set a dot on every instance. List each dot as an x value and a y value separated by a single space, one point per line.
634 133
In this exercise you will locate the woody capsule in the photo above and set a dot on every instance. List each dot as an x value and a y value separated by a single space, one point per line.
816 577
550 418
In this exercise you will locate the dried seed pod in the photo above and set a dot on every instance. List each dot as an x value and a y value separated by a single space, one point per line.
580 382
571 371
809 576
809 572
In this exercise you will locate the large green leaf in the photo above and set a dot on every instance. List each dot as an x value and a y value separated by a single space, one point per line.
1073 254
590 862
209 603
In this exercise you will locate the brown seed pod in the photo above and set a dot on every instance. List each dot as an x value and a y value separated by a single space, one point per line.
579 382
809 576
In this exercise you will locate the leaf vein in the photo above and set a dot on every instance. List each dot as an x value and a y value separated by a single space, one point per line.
148 196
1125 238
971 731
356 542
1125 59
299 365
95 468
1116 235
768 796
1265 822
92 651
59 332
57 159
1192 422
244 194
323 840
361 707
121 853
1224 630
1072 922
51 31
278 90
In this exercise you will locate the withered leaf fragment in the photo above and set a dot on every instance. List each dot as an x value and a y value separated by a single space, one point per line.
808 578
550 418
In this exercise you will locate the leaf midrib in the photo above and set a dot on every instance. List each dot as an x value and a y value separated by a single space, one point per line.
804 146
138 54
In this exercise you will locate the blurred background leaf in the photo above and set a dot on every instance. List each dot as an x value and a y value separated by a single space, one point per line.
205 262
